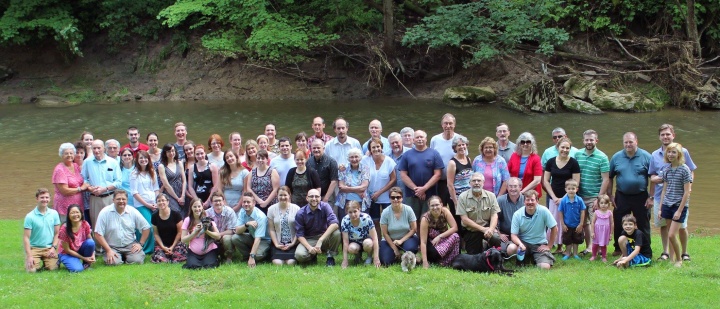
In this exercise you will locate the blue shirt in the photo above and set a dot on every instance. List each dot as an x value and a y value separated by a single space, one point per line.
309 223
571 210
532 229
258 216
420 167
386 146
657 163
397 160
42 227
102 173
632 172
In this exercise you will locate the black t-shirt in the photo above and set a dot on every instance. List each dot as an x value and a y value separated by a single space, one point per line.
167 229
639 239
558 176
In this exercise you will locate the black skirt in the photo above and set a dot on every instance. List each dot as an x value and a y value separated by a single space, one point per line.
278 254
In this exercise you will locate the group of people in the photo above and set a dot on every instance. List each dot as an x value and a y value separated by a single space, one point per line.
334 196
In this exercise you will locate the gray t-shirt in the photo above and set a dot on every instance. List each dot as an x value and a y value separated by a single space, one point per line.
282 166
397 228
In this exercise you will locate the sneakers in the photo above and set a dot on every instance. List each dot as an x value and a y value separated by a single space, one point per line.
368 261
565 257
330 261
577 257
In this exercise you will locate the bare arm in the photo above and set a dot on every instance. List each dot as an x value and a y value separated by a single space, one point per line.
29 262
450 173
165 184
546 185
424 229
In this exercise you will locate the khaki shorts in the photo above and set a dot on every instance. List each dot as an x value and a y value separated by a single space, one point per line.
40 258
589 212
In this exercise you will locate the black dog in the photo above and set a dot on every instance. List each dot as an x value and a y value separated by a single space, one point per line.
489 261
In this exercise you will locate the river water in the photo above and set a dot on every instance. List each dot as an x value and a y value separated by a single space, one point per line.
30 136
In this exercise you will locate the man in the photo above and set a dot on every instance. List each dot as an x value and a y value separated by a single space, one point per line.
316 228
318 126
40 235
509 203
326 167
408 137
103 174
528 231
666 134
225 220
631 166
505 146
375 128
442 143
285 161
420 170
115 231
338 147
594 179
478 210
273 144
180 138
252 237
552 151
134 145
113 149
398 150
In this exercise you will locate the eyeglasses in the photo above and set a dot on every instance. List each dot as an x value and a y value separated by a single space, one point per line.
395 197
558 136
525 142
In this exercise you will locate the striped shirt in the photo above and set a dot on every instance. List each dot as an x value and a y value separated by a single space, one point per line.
675 180
591 168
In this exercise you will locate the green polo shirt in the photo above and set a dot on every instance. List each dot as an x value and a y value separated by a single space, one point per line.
42 227
591 168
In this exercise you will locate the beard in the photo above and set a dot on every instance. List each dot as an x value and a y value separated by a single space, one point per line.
476 190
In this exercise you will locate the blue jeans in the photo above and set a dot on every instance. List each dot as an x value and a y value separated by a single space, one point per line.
387 255
73 264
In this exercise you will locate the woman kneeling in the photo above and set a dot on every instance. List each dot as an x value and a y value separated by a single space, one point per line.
438 243
200 236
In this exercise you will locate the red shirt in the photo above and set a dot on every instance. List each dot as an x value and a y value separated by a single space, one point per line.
82 234
532 168
140 146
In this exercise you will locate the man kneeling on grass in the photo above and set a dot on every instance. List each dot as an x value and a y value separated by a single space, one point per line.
528 231
115 231
316 228
255 244
40 237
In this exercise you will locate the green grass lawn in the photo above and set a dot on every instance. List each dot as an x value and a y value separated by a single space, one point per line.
569 284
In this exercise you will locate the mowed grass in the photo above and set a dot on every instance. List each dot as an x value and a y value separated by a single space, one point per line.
571 284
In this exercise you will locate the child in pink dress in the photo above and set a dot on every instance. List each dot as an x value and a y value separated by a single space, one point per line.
602 224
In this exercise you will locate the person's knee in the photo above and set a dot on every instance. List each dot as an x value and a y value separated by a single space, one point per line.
368 245
353 248
545 266
622 240
512 249
135 258
74 267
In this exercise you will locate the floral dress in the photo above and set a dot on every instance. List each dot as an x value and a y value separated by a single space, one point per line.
262 186
448 247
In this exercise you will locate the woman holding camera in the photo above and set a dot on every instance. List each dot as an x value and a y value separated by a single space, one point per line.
195 234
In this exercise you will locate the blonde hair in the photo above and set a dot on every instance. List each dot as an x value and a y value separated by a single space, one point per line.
677 147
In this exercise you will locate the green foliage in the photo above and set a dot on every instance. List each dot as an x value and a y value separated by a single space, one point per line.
599 15
124 19
485 29
24 21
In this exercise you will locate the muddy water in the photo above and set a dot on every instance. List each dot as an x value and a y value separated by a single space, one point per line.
30 137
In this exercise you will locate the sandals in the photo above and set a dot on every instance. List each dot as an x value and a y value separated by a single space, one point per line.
585 252
664 257
685 257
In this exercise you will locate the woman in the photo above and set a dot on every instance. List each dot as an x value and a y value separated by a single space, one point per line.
264 144
281 224
263 182
172 177
202 253
167 228
87 138
127 167
80 156
145 187
236 145
438 243
358 235
302 144
153 151
381 170
352 182
301 179
202 177
251 149
216 156
525 164
398 224
232 176
458 170
77 248
492 166
68 181
189 150
558 170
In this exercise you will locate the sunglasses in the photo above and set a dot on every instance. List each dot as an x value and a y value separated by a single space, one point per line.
558 137
395 197
525 142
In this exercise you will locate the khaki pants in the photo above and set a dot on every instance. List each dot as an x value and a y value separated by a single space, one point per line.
125 255
96 205
329 246
244 243
39 255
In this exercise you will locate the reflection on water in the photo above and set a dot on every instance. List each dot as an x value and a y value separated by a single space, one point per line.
31 136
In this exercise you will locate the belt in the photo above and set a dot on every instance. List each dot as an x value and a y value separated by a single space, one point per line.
103 195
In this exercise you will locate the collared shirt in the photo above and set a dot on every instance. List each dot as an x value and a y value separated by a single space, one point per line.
119 229
225 220
386 146
478 209
591 168
102 173
309 223
506 152
532 229
444 148
552 152
658 162
42 227
632 172
507 210
325 138
572 210
135 150
258 216
327 170
339 151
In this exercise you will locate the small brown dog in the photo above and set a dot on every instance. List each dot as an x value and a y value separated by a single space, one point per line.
408 261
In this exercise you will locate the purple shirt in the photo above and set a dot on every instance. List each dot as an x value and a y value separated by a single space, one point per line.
310 223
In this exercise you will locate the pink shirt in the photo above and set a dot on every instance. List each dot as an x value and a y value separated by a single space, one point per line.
197 243
82 234
61 175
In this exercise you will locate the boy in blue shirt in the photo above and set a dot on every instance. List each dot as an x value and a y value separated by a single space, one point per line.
572 213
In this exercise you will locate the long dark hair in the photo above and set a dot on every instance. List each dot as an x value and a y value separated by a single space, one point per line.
192 224
68 225
163 153
150 168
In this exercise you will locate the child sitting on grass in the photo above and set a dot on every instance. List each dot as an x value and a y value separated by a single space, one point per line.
602 224
634 245
571 213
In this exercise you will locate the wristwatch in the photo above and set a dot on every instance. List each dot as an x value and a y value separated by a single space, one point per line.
252 255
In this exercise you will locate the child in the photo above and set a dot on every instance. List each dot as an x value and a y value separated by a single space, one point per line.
675 196
634 245
571 213
602 224
358 235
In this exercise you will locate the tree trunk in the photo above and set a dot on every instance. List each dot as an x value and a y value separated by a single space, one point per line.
388 21
692 30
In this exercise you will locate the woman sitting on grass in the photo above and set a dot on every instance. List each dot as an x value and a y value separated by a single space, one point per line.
77 248
167 228
398 225
203 251
438 243
281 224
358 234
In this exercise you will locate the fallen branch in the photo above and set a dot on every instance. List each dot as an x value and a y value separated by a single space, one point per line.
625 50
706 62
